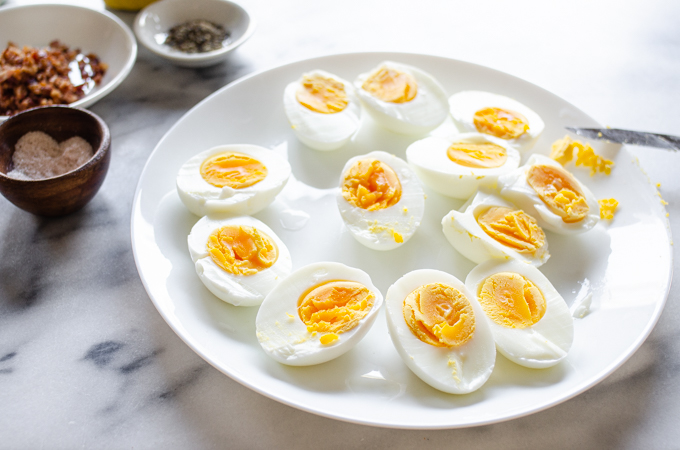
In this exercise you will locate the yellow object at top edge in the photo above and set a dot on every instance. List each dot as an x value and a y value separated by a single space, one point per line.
129 5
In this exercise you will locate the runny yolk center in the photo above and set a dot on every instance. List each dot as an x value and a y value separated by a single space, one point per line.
232 169
321 94
513 228
559 191
371 184
391 85
511 300
480 156
334 307
242 250
439 315
499 122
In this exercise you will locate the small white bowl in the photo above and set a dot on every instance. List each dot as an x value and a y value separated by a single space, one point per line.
89 30
153 23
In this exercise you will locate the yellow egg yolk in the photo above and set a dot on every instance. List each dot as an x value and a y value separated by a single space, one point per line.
607 208
321 94
562 151
242 250
391 85
512 228
559 190
480 156
439 315
502 123
372 185
511 300
334 307
235 170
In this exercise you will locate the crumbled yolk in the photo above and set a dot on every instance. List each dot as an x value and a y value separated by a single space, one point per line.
329 338
502 123
235 170
321 94
371 184
439 315
334 307
607 208
481 156
512 228
242 250
391 85
511 300
559 190
563 151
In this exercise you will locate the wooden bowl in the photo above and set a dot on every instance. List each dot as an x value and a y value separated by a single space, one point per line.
65 193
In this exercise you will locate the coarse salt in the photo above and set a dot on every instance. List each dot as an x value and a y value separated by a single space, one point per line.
37 155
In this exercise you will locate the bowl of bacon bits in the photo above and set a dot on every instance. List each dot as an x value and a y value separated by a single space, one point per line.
60 55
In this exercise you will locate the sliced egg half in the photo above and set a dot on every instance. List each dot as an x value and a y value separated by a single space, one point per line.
235 179
440 331
318 313
488 227
551 194
380 200
530 320
239 259
402 98
459 165
496 115
322 109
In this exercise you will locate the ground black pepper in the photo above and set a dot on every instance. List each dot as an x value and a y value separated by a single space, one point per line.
196 36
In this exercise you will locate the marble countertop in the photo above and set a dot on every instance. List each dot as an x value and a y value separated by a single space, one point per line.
86 361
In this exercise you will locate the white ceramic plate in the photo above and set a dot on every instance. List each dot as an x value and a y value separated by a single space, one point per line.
626 265
89 30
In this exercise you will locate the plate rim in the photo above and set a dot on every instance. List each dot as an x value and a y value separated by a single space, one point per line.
578 389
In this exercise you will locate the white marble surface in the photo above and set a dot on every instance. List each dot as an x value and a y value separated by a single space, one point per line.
87 362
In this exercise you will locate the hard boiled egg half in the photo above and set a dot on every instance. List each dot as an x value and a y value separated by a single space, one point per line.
498 116
322 109
318 313
235 179
551 194
458 166
530 320
440 331
380 200
402 98
239 259
488 227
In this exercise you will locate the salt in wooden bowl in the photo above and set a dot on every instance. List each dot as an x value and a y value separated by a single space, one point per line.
65 193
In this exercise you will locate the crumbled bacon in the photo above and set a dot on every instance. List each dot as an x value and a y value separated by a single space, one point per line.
31 77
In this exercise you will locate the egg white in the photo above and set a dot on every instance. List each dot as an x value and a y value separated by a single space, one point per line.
322 131
374 229
514 187
239 290
202 198
430 162
425 112
456 370
465 104
465 235
541 345
282 334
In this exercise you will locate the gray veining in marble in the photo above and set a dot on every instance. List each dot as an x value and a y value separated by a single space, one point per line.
87 362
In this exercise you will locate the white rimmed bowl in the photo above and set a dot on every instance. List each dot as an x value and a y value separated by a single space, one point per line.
153 23
89 30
